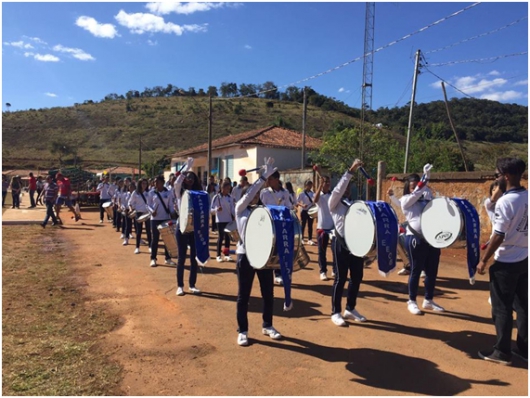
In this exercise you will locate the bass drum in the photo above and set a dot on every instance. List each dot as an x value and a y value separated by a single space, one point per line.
442 224
359 230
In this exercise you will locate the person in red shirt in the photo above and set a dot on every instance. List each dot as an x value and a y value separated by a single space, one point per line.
65 191
32 188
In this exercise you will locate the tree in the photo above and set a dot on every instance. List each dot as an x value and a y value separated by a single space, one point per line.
228 89
270 90
8 105
212 90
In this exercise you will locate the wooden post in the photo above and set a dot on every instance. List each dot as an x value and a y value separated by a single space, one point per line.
381 175
453 127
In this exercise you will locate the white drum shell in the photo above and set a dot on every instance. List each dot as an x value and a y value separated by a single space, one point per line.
144 217
109 208
359 229
168 234
186 213
442 223
312 211
232 231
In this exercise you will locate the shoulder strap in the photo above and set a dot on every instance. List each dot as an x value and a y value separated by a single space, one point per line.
163 203
143 197
309 197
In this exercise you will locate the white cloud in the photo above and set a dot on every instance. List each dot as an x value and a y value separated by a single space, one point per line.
51 95
341 90
76 52
502 95
141 23
152 43
44 58
19 44
28 54
164 8
521 83
494 73
105 30
35 39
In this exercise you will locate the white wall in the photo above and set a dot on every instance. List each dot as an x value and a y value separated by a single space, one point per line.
284 159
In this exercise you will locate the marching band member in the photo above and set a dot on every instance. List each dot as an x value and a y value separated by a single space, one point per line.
245 272
423 257
159 204
104 189
223 208
238 189
138 202
304 200
123 202
324 224
402 229
343 259
115 200
186 180
212 189
275 195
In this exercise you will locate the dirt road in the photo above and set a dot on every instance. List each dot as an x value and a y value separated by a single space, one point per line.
186 345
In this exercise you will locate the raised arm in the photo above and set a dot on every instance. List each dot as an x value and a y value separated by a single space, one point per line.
338 192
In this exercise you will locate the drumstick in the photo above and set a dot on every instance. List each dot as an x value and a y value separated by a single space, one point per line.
392 185
365 174
315 168
181 168
244 172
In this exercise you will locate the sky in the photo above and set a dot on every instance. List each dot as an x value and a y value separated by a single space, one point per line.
61 53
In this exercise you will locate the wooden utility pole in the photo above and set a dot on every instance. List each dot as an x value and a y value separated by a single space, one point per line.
304 116
381 174
140 159
453 127
409 128
209 166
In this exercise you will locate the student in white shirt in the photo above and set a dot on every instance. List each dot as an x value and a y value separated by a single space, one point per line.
324 224
305 200
343 259
124 207
402 230
104 195
238 189
138 202
509 272
224 210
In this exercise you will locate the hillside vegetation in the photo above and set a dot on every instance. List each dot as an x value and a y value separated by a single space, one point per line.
109 132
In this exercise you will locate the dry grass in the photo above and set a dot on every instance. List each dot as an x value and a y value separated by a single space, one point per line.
50 338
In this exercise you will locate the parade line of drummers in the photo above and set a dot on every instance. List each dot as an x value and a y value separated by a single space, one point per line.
261 218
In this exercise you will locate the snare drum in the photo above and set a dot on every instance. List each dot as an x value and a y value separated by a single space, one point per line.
186 213
260 241
109 208
232 231
359 229
168 234
144 217
442 223
312 211
132 214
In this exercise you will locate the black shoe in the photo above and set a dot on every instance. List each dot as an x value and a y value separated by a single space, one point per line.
43 225
520 354
495 356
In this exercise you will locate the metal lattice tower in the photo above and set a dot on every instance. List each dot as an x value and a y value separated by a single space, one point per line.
368 65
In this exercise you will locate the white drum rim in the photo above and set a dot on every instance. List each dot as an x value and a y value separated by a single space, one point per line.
184 210
260 262
355 233
435 232
106 204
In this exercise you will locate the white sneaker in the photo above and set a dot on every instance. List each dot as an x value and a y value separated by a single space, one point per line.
194 290
272 333
354 314
333 273
131 236
100 221
153 263
180 291
323 276
219 259
242 339
137 250
125 242
149 250
431 305
227 258
413 307
423 274
169 262
278 280
338 320
489 300
310 243
403 271
122 236
143 242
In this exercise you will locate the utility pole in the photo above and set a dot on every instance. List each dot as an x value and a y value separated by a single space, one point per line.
453 127
304 116
409 128
140 159
209 166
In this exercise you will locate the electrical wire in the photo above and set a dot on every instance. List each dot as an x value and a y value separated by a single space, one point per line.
480 60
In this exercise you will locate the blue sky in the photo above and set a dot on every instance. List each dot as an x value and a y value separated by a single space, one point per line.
57 54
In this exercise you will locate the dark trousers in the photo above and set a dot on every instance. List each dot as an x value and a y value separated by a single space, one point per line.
115 223
343 261
323 242
101 209
39 195
126 226
245 278
49 213
139 229
16 199
423 257
309 221
509 291
222 236
214 224
4 194
32 197
156 238
183 241
119 219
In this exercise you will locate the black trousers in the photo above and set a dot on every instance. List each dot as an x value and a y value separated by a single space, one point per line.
323 242
156 238
101 209
139 227
222 236
183 241
509 292
423 257
49 213
344 261
309 221
126 228
245 279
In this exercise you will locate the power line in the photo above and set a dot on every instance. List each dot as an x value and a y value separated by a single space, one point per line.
479 60
476 37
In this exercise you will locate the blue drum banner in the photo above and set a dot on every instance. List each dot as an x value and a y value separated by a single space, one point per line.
386 235
201 216
472 225
284 228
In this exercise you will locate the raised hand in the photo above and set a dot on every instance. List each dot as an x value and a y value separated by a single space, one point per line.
268 168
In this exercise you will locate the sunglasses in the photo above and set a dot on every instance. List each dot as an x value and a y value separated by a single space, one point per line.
497 175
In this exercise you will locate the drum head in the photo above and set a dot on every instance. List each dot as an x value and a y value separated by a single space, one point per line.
106 204
259 237
441 222
184 211
359 229
143 217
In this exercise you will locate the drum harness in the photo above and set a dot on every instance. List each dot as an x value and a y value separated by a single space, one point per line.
163 204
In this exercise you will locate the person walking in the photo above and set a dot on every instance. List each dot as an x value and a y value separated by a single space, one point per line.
50 191
5 187
32 186
305 200
324 224
105 195
16 188
40 187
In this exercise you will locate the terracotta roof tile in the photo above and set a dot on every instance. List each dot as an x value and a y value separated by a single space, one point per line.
270 137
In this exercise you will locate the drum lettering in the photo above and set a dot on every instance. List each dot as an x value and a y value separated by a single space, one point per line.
285 244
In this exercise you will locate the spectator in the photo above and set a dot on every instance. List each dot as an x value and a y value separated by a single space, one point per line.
65 190
16 188
50 191
5 186
40 187
32 188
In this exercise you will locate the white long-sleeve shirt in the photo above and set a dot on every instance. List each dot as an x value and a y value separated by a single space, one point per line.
307 198
276 198
104 190
490 209
154 203
242 212
412 206
338 206
237 192
177 187
137 202
324 220
226 203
